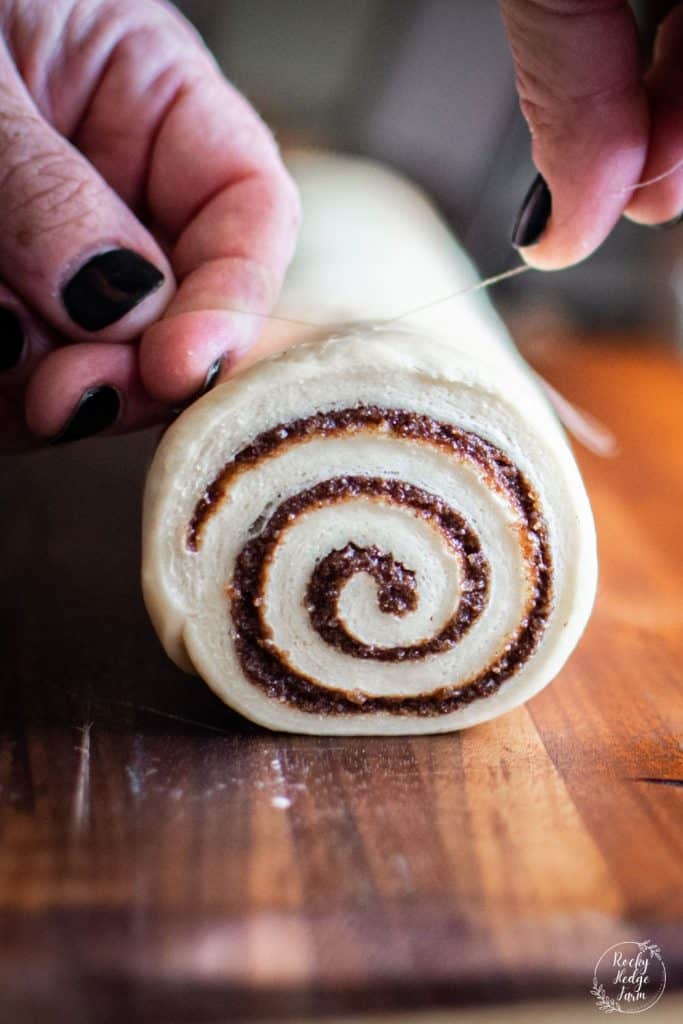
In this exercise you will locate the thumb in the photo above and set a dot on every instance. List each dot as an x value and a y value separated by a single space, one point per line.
577 66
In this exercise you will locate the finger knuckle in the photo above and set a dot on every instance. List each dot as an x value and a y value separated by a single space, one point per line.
43 187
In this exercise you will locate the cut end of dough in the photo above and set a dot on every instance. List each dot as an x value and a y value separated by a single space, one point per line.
370 534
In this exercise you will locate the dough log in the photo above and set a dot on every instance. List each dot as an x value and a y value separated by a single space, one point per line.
382 529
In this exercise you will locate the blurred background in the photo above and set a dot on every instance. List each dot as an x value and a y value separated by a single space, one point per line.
427 85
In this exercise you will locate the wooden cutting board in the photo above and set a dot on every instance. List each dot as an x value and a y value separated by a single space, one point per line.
163 860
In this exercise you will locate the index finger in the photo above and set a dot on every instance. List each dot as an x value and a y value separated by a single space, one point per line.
218 187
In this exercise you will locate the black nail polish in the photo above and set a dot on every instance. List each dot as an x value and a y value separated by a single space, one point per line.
533 214
11 340
108 286
97 409
211 377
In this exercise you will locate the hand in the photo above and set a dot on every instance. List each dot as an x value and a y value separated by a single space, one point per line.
127 164
599 123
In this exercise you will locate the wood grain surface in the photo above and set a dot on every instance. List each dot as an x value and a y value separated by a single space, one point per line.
163 860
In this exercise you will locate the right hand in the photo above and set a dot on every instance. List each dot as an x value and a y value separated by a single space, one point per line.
599 125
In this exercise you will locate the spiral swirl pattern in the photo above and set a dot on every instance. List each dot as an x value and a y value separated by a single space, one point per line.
274 670
369 534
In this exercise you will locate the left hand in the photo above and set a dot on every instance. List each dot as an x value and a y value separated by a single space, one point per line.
119 132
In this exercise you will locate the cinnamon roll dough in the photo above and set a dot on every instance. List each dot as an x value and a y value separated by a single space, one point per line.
380 529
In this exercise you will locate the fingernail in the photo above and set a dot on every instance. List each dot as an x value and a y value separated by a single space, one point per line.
108 286
666 223
11 340
97 409
211 377
533 214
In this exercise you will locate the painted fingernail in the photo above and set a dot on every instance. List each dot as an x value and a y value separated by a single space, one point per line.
533 214
11 340
97 410
108 286
212 375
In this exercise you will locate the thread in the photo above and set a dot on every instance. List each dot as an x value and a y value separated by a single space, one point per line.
478 286
461 293
486 283
583 427
274 316
650 181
